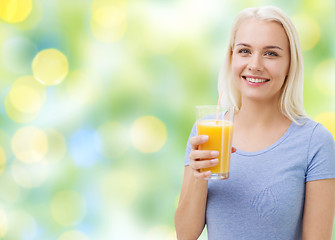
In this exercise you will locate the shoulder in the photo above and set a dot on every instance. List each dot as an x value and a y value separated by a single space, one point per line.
319 131
313 135
321 153
314 129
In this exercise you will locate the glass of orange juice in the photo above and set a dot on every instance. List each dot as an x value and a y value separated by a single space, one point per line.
217 123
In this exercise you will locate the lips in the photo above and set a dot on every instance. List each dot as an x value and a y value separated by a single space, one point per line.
255 81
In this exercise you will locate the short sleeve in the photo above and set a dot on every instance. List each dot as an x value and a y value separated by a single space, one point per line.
188 146
321 155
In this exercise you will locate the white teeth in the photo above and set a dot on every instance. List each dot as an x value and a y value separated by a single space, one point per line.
256 80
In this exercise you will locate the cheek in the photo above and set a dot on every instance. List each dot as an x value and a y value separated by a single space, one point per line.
236 68
282 66
236 65
280 70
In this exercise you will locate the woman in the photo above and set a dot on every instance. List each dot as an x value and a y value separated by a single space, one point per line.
282 175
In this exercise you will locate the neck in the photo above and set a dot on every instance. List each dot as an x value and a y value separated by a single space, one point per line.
259 114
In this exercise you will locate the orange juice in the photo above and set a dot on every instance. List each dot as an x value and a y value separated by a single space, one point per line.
219 133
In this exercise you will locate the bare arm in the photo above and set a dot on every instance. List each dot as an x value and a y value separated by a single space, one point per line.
319 210
190 213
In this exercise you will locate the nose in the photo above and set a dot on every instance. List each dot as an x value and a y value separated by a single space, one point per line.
255 63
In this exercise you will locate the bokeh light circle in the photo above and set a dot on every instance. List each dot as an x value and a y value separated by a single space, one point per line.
108 21
328 120
50 67
3 223
25 99
16 115
14 11
148 134
20 103
73 235
324 77
68 208
112 139
2 160
81 146
308 31
29 144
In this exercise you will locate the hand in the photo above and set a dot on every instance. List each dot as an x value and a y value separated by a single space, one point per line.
200 159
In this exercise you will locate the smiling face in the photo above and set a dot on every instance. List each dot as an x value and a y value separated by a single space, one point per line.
260 59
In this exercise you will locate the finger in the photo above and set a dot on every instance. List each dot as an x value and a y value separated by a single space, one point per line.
203 154
197 140
233 149
197 165
202 175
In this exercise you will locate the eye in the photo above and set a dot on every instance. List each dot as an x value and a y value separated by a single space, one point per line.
244 51
271 54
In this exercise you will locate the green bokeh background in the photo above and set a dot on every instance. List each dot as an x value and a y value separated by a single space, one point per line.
166 62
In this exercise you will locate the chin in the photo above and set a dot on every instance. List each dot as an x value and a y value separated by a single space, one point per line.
259 98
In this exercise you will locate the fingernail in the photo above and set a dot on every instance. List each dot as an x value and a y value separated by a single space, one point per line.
214 153
204 138
208 173
216 160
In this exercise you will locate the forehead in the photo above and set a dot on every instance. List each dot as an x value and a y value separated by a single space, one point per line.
254 32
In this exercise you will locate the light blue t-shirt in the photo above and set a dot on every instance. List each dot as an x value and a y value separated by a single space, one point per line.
263 198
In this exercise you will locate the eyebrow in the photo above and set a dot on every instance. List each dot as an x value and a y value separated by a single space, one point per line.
266 47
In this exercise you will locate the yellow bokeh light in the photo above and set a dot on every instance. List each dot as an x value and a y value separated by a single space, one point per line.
120 187
14 11
68 208
73 235
50 67
308 31
113 138
2 160
25 99
16 115
324 77
3 223
148 134
33 19
30 144
27 95
109 21
29 175
328 120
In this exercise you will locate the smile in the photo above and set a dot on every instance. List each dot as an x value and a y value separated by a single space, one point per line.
255 80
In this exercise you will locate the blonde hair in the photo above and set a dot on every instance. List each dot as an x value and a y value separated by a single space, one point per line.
291 98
